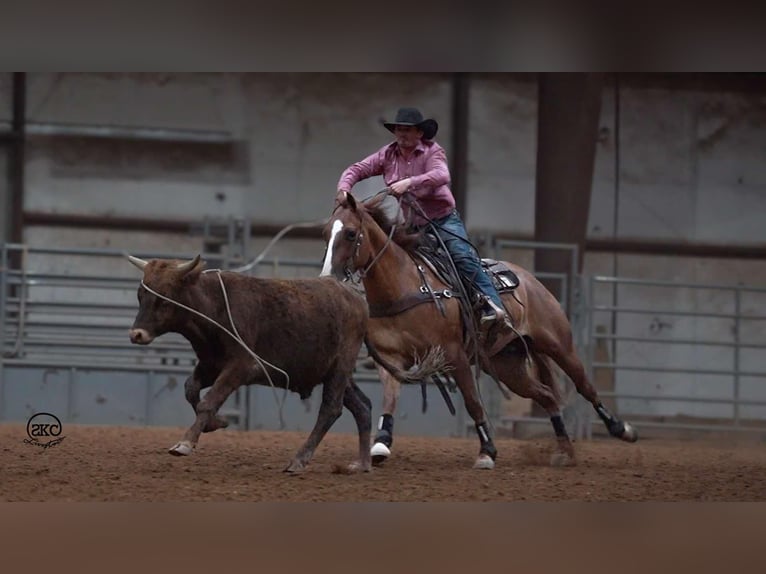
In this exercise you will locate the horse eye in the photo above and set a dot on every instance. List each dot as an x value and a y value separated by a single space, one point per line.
351 235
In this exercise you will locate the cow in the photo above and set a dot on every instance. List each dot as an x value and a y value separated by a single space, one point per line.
292 333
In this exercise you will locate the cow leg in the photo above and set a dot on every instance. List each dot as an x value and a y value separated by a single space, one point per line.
192 388
361 408
206 410
329 411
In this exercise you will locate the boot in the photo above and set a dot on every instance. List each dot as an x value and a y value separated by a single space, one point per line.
497 326
492 315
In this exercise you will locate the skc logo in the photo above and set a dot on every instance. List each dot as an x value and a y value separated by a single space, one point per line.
41 427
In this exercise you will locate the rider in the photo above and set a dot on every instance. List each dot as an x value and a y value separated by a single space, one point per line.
414 163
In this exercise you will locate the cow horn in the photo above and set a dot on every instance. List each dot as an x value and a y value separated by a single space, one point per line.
140 263
188 265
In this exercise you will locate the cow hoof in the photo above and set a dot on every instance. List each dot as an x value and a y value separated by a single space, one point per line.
359 466
379 453
484 462
183 448
295 467
562 459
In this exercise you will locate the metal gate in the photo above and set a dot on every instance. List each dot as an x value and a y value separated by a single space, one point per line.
681 355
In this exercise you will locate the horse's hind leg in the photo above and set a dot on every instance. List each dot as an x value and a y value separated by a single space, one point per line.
361 408
565 455
566 358
514 372
384 438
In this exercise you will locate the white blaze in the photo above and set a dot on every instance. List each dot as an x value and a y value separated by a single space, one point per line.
327 267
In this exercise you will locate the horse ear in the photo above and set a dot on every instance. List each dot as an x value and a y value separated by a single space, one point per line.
350 201
376 200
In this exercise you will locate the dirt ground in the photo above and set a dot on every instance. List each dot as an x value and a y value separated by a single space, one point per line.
131 464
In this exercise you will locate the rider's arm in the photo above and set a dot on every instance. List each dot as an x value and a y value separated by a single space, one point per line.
370 166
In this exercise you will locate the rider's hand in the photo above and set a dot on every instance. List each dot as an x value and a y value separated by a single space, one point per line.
398 188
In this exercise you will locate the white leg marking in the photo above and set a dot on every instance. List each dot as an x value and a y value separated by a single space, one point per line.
484 462
183 448
381 450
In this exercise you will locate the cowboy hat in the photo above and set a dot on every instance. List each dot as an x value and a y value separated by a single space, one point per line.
413 117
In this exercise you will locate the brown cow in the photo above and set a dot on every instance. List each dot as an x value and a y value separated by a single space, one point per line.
311 329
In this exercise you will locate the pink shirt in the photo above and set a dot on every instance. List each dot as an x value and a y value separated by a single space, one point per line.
427 166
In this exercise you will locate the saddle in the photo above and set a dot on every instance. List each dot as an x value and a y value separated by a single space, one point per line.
431 254
503 278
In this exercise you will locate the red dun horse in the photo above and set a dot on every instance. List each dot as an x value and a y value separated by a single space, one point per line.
405 325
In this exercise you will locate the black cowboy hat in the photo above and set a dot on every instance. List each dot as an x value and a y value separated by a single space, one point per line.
413 117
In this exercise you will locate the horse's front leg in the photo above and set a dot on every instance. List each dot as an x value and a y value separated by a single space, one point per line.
384 438
465 382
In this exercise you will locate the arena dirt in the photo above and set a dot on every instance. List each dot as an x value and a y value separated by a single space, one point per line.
131 464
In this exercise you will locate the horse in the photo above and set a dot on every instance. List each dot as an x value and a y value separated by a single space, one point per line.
413 311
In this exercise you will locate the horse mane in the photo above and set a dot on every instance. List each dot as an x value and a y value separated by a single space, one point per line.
409 241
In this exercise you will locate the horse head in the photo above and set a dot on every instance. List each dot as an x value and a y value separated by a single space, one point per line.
344 234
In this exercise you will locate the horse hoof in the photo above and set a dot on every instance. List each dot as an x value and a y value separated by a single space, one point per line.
183 448
484 462
629 433
379 453
559 459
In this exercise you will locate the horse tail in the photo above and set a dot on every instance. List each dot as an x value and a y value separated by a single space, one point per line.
431 364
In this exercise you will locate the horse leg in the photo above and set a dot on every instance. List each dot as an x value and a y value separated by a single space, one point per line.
207 407
361 408
329 411
465 382
565 456
518 375
567 359
192 388
384 438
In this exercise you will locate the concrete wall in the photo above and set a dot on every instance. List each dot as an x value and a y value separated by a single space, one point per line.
691 169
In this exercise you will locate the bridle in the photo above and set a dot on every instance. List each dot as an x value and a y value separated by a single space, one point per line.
350 262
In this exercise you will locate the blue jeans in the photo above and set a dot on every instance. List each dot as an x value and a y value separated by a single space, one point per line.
453 233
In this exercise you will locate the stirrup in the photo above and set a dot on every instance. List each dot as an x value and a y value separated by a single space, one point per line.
498 315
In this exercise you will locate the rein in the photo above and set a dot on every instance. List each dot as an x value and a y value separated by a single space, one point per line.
363 272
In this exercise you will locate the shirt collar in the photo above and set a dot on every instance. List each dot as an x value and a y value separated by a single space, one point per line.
420 148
